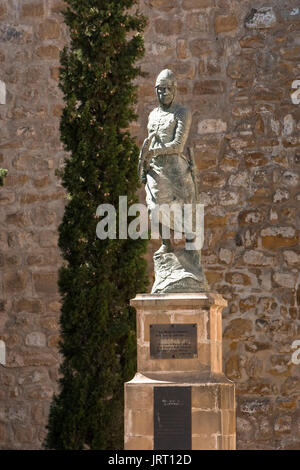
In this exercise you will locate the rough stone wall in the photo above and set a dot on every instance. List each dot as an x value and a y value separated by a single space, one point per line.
31 206
237 65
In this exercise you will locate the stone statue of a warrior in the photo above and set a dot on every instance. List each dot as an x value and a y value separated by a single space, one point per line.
170 181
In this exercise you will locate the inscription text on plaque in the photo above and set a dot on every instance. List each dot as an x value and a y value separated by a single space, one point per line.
178 341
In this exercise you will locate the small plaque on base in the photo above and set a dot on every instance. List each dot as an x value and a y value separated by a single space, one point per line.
172 418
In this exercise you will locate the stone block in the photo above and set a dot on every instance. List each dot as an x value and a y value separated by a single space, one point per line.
263 93
205 158
252 42
23 434
54 73
48 239
50 323
213 178
183 70
146 91
212 126
261 196
41 182
237 278
240 67
139 442
2 432
15 180
209 87
205 442
198 23
32 10
205 397
39 358
257 258
57 6
206 422
228 422
38 392
291 54
3 9
27 305
276 237
48 52
263 18
254 159
49 29
36 338
225 255
214 221
227 397
7 197
141 423
242 111
54 341
291 15
167 27
15 281
251 217
200 47
2 92
37 414
283 425
237 328
291 257
182 49
225 23
204 355
287 280
2 353
45 283
227 442
163 5
216 357
197 4
145 397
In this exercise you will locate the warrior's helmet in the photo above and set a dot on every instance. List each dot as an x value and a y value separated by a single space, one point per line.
165 77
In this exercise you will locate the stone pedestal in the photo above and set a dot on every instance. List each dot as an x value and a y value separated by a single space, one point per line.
179 345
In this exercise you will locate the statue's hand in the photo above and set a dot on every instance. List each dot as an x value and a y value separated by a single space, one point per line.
142 172
150 153
148 139
144 176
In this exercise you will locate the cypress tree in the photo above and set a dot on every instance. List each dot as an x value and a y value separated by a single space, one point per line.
98 277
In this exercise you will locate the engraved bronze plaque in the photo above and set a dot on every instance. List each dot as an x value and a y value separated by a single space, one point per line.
178 341
172 418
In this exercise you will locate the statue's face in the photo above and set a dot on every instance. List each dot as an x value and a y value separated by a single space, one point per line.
166 92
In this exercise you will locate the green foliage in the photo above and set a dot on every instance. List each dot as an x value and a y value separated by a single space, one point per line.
3 173
99 277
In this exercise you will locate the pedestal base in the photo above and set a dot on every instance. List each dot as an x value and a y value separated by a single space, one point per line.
179 398
212 415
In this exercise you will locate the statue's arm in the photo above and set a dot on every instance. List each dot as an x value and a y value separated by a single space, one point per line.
145 154
184 120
